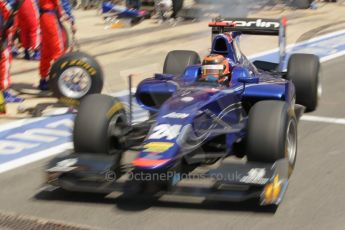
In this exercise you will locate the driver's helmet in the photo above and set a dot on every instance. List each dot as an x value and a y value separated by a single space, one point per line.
215 68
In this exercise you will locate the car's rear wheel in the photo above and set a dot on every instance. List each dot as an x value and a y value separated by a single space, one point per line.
177 60
303 70
272 133
99 126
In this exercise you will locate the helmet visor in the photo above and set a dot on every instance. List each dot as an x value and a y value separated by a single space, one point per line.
212 70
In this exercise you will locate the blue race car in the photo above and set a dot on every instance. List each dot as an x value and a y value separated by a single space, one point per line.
202 117
112 13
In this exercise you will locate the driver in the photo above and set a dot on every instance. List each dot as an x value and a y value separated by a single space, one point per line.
216 68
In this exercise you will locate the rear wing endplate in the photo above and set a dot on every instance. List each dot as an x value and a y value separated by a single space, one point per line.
254 26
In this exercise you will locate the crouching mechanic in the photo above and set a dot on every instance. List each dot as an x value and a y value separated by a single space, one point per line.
52 13
30 34
7 13
216 68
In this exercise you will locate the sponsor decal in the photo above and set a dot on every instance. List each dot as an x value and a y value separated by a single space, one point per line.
255 176
77 62
157 147
176 115
253 24
187 99
257 23
64 166
165 131
144 162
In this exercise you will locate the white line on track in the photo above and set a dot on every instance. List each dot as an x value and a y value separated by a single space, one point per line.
332 56
35 157
331 120
316 39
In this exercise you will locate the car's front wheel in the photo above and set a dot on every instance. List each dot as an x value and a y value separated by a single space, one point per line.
272 133
99 126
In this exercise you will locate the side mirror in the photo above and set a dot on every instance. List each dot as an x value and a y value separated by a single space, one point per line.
248 80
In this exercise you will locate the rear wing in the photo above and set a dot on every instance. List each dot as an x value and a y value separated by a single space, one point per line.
254 26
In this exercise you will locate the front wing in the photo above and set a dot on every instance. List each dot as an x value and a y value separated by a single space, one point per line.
230 181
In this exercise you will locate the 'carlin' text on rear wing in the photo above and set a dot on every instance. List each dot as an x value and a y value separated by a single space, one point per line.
254 26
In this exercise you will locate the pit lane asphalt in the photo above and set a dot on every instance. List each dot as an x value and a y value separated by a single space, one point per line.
314 199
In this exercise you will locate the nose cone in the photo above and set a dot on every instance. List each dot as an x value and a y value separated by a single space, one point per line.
156 155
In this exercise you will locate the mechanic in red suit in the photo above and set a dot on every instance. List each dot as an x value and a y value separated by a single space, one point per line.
30 34
7 11
52 12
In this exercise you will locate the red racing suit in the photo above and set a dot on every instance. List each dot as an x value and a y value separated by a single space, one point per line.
51 30
6 54
28 22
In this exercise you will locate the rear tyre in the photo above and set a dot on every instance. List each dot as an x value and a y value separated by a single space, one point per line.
272 133
99 126
75 75
303 71
176 61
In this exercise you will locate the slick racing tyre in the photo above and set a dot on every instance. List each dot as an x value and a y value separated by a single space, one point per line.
272 133
75 75
99 126
177 60
303 71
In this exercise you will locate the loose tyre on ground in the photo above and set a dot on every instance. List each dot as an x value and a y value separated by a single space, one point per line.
176 61
272 133
303 70
75 75
99 126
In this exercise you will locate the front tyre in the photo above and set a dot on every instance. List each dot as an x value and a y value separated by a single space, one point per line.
99 126
272 133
